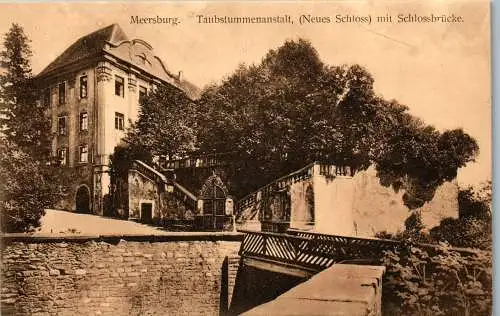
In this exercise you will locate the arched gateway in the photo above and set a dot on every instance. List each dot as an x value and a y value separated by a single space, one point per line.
82 199
214 195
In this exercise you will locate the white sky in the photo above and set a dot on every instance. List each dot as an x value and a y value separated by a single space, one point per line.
441 71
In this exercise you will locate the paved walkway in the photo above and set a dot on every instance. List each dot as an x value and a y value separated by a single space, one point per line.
341 290
61 222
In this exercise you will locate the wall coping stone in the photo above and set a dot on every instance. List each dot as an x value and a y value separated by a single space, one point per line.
343 289
116 238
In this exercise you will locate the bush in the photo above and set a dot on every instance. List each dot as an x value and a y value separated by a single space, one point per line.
470 233
475 203
473 227
413 232
438 281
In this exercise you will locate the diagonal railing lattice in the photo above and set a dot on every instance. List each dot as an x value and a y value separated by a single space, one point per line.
315 251
311 251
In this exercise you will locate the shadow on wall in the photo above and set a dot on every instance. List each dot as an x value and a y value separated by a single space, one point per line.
254 287
224 288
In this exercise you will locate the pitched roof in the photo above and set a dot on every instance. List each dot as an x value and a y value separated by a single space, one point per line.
94 44
87 46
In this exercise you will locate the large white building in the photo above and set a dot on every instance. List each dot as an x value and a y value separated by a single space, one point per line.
93 90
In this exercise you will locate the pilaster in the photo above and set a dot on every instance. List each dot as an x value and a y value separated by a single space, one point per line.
104 77
132 83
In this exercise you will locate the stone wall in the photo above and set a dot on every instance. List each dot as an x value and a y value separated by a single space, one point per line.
333 200
378 208
177 274
142 190
76 176
302 205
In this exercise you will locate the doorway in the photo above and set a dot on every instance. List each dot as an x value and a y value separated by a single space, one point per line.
146 212
82 200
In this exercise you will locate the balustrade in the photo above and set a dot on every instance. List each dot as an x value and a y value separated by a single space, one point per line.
277 185
149 172
212 160
331 170
181 193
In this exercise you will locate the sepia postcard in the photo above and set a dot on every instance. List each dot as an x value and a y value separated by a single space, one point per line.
253 158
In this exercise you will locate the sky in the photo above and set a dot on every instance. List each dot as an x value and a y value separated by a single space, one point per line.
441 71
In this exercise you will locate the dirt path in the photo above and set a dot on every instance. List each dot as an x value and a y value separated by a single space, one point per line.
62 222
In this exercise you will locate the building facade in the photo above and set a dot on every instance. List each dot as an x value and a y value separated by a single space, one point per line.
93 91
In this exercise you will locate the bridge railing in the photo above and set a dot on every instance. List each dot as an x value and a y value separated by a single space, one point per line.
376 244
383 244
373 242
272 246
351 248
311 252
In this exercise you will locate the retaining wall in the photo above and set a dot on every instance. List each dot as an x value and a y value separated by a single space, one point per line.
179 274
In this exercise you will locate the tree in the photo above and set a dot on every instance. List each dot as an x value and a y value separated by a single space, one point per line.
166 124
292 109
475 203
274 117
28 187
419 158
31 180
22 117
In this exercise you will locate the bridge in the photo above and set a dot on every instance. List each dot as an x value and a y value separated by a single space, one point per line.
303 254
321 272
339 274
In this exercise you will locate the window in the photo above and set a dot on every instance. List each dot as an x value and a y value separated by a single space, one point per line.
46 97
62 125
83 87
119 121
142 92
62 153
119 86
62 93
84 153
84 121
142 58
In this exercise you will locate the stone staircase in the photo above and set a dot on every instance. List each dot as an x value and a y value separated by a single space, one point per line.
168 180
247 208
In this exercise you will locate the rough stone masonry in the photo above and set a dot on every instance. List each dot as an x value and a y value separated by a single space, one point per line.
150 275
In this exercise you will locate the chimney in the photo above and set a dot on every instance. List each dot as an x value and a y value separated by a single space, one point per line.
179 77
